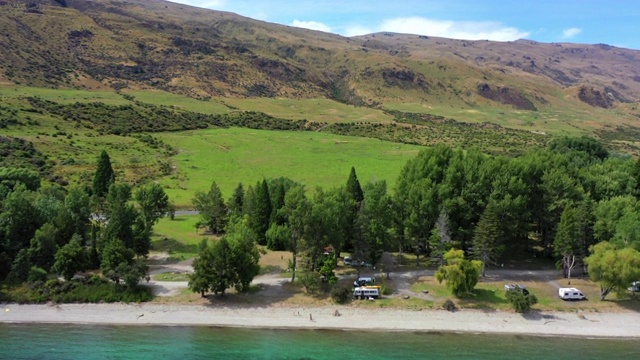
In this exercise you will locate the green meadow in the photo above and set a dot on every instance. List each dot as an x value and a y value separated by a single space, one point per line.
235 155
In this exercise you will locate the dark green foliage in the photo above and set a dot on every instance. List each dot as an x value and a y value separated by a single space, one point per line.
140 117
20 156
10 177
19 220
341 294
449 305
74 216
213 211
487 241
586 144
37 274
153 202
327 270
43 246
123 221
278 237
70 259
93 289
20 268
116 258
520 301
261 212
231 262
353 186
104 175
236 201
5 265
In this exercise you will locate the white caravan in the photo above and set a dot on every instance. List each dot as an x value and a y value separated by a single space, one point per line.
571 294
366 292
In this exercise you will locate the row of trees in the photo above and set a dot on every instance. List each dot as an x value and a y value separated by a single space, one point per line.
50 229
556 202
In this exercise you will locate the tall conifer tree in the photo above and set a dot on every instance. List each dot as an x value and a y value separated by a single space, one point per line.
104 176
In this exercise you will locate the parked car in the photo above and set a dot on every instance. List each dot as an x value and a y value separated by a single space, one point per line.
362 281
635 286
510 287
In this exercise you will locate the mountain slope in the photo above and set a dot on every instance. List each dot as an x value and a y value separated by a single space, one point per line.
140 44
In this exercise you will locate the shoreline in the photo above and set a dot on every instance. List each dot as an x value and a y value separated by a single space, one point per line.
624 325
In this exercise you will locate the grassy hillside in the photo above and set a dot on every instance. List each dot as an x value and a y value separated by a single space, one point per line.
233 62
231 156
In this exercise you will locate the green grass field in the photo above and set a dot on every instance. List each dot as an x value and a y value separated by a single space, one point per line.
178 237
231 156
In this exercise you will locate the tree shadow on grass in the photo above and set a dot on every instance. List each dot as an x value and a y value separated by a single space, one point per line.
172 246
482 299
627 301
259 295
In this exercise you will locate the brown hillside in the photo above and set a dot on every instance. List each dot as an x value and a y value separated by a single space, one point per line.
204 53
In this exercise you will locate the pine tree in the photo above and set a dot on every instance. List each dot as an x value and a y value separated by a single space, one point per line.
213 210
353 186
262 212
236 201
104 175
487 246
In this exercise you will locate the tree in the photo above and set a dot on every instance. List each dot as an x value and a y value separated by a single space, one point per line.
19 220
153 202
236 201
213 211
613 269
119 214
10 177
70 258
388 263
376 210
460 275
568 239
487 246
231 261
116 258
202 277
520 301
20 268
244 253
355 196
104 175
295 209
440 240
43 246
261 212
74 218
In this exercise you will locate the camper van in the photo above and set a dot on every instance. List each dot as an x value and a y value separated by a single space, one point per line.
570 294
366 292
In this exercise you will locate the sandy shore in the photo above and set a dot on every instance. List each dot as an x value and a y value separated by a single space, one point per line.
625 324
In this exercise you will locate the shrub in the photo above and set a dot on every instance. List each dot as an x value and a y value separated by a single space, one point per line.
520 302
449 306
37 274
341 294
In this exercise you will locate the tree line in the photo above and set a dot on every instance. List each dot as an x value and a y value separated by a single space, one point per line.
557 202
49 229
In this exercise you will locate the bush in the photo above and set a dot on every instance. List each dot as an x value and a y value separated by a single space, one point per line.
449 306
520 302
37 274
341 294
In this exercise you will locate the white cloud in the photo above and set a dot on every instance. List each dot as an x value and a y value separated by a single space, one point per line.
312 25
467 30
356 30
571 32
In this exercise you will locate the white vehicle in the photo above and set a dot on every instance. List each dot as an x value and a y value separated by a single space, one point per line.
571 294
366 292
362 281
347 260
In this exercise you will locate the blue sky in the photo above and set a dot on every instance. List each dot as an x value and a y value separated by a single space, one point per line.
612 22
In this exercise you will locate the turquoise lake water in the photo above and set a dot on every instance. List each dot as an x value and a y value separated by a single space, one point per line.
164 343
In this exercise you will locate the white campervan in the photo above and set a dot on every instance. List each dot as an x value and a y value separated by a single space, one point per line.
571 294
366 292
